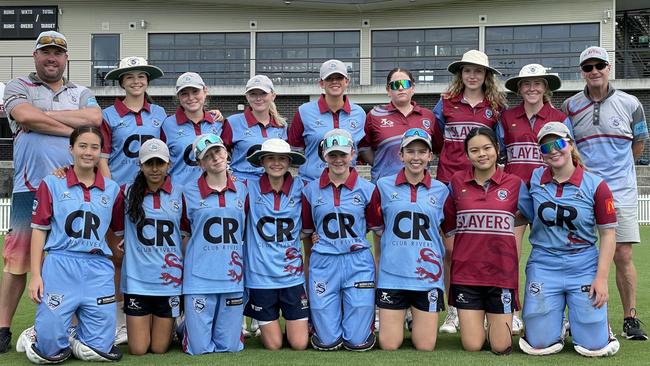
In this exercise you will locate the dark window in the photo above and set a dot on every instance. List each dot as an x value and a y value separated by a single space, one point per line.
106 56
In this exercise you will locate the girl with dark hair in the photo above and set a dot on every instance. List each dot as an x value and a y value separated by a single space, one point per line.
70 220
484 264
153 261
386 124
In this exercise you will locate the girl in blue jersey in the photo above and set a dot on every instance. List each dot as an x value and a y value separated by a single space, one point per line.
259 122
153 265
565 268
274 264
128 123
406 210
70 219
341 267
213 284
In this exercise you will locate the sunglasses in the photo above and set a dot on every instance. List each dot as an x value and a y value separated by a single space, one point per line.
47 40
558 145
396 84
599 66
336 141
416 132
205 142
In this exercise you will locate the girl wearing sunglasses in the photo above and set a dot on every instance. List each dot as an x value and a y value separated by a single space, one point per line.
386 124
183 127
566 268
472 100
332 110
259 122
341 277
484 266
406 212
214 268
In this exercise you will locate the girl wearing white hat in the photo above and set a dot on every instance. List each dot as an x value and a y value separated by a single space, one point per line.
259 121
274 269
130 121
472 100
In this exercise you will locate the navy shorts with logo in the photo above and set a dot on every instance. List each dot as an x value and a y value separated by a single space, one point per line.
265 304
430 301
491 299
160 306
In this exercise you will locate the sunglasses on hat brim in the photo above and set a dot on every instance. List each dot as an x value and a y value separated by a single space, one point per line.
51 40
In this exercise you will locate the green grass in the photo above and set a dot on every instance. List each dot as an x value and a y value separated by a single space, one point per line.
448 350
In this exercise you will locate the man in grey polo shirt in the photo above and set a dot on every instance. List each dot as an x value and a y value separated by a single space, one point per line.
610 131
43 108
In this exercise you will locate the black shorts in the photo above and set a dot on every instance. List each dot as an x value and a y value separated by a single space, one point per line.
160 306
491 299
265 304
429 301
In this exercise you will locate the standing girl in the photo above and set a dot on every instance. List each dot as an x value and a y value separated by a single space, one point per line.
153 264
70 220
406 211
341 267
485 265
565 268
213 280
274 264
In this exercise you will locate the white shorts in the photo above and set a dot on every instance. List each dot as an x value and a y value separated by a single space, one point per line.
627 230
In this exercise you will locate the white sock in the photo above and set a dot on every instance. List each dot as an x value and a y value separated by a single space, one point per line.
120 318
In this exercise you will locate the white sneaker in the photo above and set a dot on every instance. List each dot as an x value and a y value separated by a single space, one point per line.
244 329
450 325
376 319
408 323
517 325
26 338
255 328
121 336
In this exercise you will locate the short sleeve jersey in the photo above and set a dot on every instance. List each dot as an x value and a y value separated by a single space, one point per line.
567 215
605 132
412 251
124 132
273 246
310 124
153 263
240 132
76 217
384 128
337 214
32 164
214 255
455 118
179 133
482 217
518 135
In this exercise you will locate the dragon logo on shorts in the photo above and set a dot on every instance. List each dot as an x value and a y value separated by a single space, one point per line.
506 298
54 300
199 303
535 288
320 288
433 296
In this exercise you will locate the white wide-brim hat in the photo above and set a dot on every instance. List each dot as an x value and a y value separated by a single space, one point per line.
534 71
274 147
472 57
133 64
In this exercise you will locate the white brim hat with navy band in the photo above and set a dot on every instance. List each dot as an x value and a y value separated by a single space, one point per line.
275 147
534 71
153 148
553 128
134 64
472 57
203 143
415 134
336 140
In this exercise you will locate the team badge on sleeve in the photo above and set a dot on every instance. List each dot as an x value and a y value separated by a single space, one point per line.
92 102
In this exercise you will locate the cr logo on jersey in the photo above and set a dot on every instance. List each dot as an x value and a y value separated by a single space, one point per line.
54 300
418 228
188 157
132 150
535 288
163 232
283 229
563 215
229 228
90 224
320 288
345 223
199 303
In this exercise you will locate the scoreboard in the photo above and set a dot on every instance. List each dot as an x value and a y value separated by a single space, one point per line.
26 22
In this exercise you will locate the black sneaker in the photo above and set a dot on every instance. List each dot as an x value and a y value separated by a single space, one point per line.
5 339
632 328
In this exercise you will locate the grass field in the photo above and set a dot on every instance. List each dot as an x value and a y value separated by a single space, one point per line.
448 350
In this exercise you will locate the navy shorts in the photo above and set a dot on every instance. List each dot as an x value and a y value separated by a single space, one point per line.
160 306
491 299
265 304
430 301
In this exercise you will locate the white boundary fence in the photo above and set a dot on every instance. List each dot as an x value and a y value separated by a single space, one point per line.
5 209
